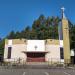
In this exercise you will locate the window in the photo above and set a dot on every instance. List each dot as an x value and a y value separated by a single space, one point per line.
9 52
61 53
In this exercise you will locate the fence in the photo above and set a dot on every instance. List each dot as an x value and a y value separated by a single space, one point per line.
21 63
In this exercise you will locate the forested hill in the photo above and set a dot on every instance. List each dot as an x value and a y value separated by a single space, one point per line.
42 28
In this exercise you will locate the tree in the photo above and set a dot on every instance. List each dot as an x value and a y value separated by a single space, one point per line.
17 35
27 32
2 43
72 36
40 21
44 28
11 35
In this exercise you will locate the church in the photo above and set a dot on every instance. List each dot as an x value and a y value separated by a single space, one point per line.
48 50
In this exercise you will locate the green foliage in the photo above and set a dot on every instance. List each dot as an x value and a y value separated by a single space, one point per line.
46 28
11 35
72 35
43 28
2 42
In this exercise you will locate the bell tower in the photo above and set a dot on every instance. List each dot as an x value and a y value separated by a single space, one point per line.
66 42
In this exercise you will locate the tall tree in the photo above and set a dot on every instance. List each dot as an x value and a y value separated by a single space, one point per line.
11 35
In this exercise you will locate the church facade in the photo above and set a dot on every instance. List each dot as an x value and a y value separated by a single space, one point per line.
34 50
40 50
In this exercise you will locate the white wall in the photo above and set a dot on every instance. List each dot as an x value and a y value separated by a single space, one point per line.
6 48
53 53
61 43
10 42
72 52
39 43
16 52
5 51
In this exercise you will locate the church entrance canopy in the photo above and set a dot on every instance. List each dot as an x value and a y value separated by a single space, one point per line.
35 56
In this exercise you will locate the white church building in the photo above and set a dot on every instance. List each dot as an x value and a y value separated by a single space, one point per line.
33 50
40 50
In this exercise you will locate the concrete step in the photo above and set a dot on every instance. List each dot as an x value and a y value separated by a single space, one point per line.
36 63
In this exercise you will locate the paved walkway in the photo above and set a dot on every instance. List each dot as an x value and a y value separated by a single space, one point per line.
54 71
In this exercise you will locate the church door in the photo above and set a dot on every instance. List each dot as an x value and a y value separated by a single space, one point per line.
35 57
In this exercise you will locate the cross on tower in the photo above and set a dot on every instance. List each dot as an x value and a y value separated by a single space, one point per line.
63 9
63 15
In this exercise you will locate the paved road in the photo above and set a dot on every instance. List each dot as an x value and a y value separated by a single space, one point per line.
54 71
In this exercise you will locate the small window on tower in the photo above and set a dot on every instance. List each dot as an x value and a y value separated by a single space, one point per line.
9 52
61 53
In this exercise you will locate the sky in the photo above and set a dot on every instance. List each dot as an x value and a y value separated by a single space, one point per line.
17 14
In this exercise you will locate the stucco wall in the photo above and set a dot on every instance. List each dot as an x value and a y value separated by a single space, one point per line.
52 47
39 44
16 52
53 53
5 51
